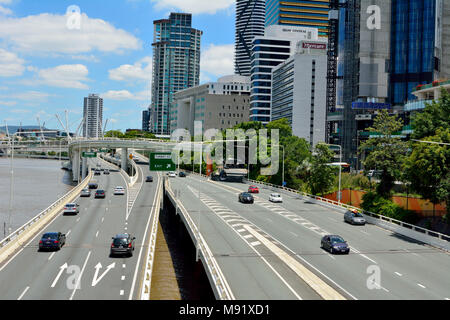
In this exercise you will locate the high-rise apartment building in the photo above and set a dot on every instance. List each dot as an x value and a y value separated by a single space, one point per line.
93 116
250 15
304 13
176 65
278 44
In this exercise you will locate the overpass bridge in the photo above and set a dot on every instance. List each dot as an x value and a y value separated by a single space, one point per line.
260 251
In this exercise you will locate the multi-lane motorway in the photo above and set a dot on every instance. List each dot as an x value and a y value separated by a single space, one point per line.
263 249
83 269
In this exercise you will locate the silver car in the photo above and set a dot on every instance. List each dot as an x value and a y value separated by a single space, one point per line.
71 208
354 217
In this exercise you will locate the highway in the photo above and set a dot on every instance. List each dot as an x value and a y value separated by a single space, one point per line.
82 269
254 270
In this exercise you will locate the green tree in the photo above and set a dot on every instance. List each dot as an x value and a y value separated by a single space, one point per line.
282 125
320 173
428 168
435 116
386 152
114 134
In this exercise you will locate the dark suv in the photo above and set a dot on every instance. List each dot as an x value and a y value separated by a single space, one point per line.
246 197
122 244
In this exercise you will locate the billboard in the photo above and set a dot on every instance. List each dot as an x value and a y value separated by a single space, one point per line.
371 106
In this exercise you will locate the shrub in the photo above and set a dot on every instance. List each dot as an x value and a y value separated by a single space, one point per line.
379 205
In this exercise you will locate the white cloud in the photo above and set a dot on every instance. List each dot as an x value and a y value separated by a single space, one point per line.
65 76
8 103
126 95
218 60
48 34
33 96
10 64
195 6
141 70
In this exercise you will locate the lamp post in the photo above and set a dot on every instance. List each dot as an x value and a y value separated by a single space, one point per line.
11 186
340 168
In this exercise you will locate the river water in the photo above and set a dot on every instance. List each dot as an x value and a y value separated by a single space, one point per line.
36 185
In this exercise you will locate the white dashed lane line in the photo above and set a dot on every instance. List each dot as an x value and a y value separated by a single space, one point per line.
23 293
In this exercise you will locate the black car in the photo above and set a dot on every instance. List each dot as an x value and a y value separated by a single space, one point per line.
149 179
246 197
334 244
100 194
122 244
52 241
106 171
182 175
93 185
97 172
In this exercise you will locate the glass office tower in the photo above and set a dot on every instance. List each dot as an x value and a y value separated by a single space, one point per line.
416 46
176 66
304 13
250 15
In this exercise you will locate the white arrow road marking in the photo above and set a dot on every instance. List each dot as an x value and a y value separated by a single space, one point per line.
97 269
61 270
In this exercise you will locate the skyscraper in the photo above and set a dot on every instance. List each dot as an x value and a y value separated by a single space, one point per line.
268 51
250 15
309 13
93 116
418 42
176 66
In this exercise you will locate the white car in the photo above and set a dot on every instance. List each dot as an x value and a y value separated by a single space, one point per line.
172 174
71 208
275 197
119 191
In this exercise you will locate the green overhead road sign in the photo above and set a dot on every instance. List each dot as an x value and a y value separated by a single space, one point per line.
161 162
89 155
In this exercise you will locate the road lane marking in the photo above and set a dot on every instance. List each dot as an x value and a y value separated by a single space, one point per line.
79 277
96 235
68 232
96 278
123 278
61 270
365 232
294 234
51 256
399 274
316 283
122 292
421 285
23 293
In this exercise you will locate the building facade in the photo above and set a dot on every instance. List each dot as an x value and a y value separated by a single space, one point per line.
217 105
93 116
278 44
420 45
250 18
304 13
176 65
299 91
146 120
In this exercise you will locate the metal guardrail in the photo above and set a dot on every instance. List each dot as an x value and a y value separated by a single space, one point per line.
217 277
377 216
42 214
146 287
428 232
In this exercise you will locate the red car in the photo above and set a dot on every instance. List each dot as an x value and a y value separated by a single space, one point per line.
253 189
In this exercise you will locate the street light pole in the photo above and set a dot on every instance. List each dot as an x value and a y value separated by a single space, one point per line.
340 168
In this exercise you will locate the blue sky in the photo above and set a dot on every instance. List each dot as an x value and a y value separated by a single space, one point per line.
48 66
